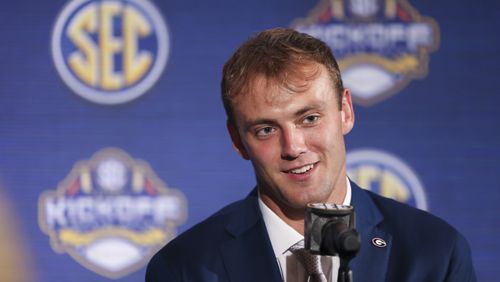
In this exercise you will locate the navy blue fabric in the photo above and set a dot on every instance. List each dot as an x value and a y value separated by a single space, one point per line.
233 245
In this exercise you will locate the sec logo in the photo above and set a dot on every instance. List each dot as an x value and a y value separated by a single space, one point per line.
380 45
111 213
387 175
110 52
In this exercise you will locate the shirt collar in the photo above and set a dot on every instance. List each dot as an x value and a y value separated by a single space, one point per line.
283 235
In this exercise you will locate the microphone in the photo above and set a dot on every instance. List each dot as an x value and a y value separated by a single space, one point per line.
330 230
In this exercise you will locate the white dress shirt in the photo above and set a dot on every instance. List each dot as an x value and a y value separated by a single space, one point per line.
283 236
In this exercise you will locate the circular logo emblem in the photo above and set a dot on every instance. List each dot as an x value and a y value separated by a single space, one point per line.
378 242
110 52
387 175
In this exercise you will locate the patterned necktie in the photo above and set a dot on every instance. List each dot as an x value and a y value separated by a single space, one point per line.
312 263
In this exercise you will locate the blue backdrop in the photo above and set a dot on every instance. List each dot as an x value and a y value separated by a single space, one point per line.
438 130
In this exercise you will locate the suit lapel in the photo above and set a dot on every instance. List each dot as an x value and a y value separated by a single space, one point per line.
249 255
371 262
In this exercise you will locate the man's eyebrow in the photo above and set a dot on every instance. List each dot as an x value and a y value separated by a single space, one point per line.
309 108
254 122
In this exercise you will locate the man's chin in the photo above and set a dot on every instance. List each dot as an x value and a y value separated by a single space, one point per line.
300 203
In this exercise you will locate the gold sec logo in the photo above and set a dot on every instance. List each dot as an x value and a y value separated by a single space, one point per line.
387 175
110 52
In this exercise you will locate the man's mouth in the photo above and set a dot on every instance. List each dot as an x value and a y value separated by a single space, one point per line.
301 170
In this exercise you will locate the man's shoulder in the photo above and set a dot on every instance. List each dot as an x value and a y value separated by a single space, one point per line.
401 216
207 234
424 240
413 228
200 245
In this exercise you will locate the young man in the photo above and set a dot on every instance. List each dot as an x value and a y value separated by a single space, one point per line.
288 113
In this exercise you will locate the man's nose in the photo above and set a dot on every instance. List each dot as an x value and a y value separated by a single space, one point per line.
292 143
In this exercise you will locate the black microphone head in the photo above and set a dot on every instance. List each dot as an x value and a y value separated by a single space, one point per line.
348 242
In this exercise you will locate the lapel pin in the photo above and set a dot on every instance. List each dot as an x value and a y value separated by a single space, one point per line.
379 242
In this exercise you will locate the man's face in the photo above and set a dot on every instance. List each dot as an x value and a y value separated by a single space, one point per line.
295 140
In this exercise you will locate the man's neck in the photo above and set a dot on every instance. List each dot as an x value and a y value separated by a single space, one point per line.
294 217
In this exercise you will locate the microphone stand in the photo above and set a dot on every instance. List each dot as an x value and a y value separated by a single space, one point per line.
339 239
345 273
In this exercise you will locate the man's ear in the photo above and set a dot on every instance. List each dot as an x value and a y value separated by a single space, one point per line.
347 112
236 140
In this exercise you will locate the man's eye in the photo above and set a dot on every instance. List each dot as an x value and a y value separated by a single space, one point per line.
311 119
264 131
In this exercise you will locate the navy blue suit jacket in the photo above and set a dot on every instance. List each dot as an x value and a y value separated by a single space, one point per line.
233 245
